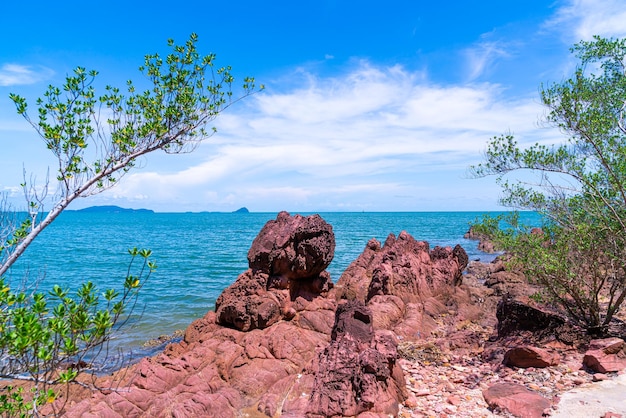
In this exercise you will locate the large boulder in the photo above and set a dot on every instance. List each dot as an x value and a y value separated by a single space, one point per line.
287 261
357 372
293 247
529 356
514 315
247 304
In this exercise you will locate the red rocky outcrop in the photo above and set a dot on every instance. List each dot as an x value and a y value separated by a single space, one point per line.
293 247
402 267
278 346
287 260
404 283
357 372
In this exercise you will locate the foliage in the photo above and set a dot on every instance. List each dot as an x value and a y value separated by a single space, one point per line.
580 188
97 139
49 339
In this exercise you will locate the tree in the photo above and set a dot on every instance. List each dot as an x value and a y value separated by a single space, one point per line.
96 140
48 339
580 188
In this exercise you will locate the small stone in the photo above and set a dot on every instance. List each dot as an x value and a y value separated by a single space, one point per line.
421 392
453 400
598 377
411 402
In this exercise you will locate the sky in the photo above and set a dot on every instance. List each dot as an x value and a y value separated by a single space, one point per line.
368 105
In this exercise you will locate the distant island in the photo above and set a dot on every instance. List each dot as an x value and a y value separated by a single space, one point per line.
113 209
242 210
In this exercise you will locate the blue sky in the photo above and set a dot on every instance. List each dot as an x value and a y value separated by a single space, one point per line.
369 106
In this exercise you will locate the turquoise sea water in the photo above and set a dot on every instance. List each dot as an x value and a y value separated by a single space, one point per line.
198 255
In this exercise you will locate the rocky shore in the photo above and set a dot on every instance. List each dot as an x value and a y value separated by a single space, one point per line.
406 331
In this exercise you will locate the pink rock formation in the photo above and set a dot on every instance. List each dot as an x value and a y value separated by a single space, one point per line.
403 267
357 372
404 282
277 344
293 247
606 355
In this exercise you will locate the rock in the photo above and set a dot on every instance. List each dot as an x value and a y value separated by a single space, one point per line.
402 267
516 399
287 261
357 372
529 356
277 345
514 315
247 304
484 243
404 283
506 283
293 247
606 355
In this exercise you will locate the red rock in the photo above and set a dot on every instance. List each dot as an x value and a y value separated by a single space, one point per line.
287 261
606 355
357 372
277 344
293 247
247 304
528 356
516 399
402 267
612 415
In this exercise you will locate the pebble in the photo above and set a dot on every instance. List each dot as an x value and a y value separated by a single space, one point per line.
454 389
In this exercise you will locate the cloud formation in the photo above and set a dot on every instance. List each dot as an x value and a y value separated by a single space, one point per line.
581 19
374 138
14 74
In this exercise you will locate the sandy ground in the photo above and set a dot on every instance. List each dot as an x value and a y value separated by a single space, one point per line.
594 399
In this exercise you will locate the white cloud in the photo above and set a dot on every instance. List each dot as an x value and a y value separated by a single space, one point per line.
374 138
581 19
482 56
14 74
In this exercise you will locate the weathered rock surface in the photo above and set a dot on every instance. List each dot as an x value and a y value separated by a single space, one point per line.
293 247
514 315
278 346
529 356
484 243
517 400
606 355
358 370
356 375
404 283
287 261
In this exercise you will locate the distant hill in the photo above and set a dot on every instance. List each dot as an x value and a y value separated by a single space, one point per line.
113 209
242 210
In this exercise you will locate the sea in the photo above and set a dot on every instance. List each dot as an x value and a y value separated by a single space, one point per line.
198 256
